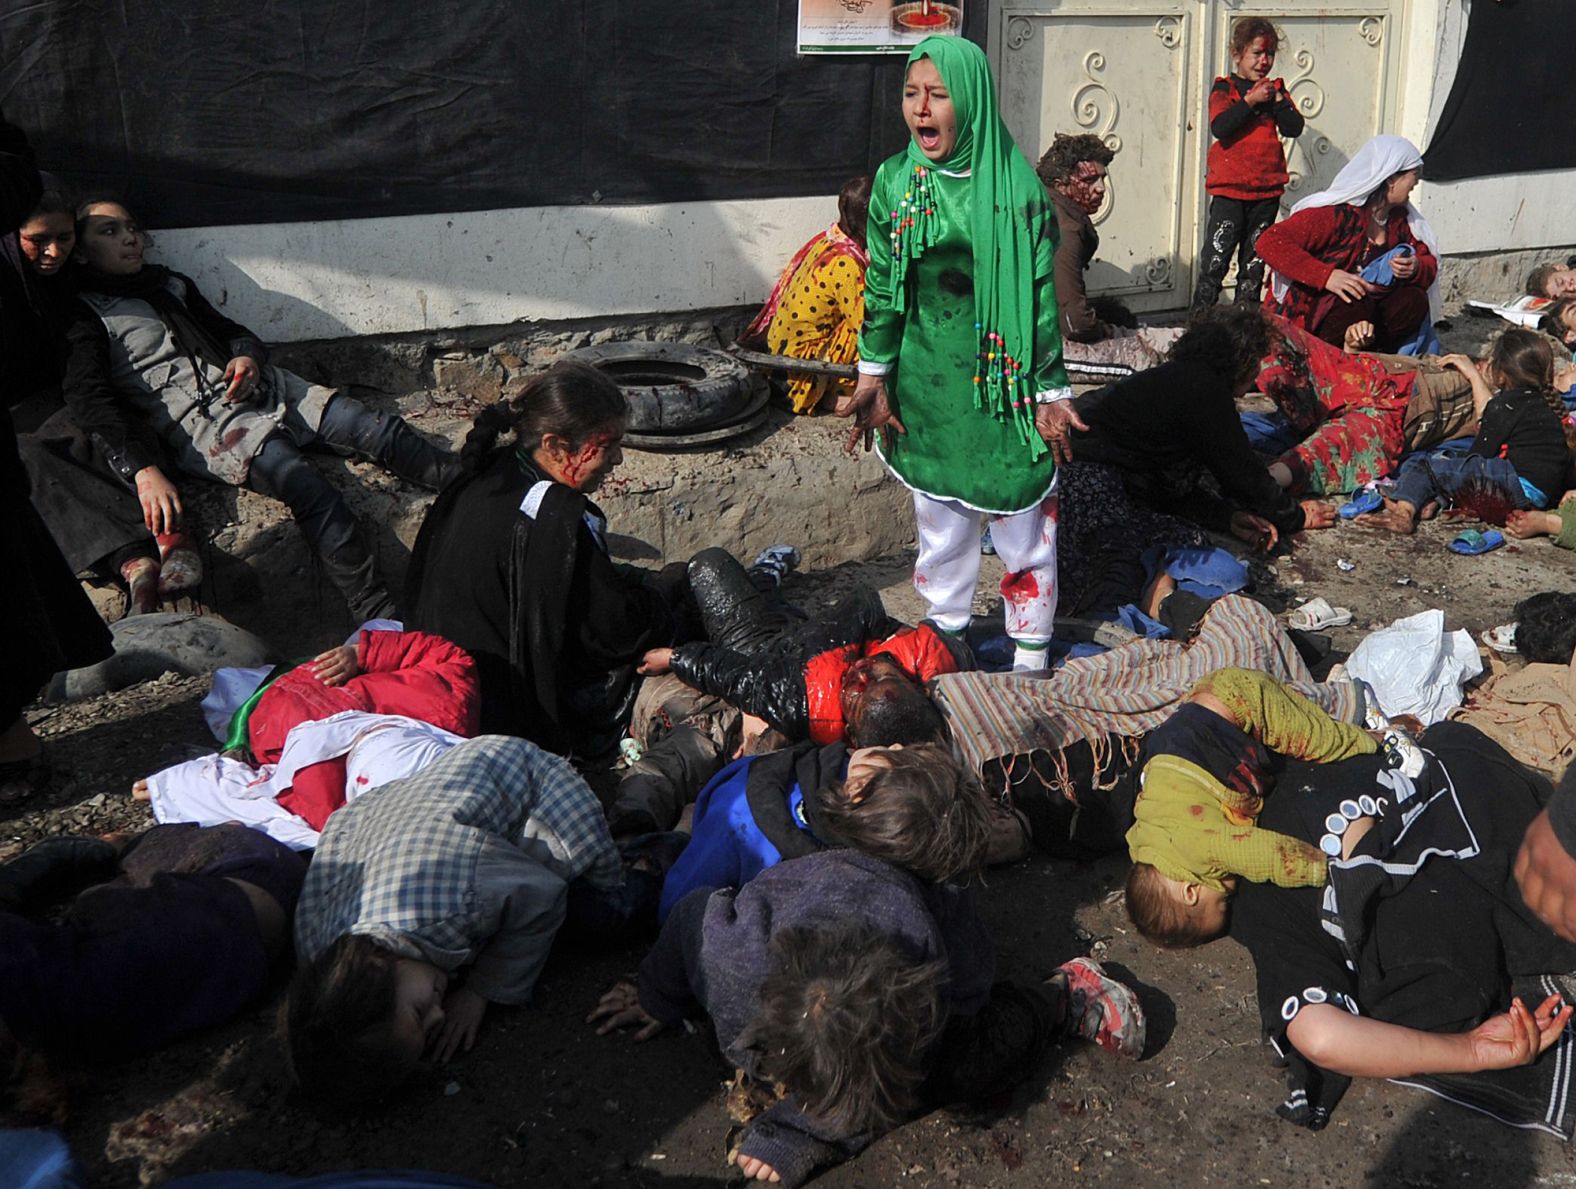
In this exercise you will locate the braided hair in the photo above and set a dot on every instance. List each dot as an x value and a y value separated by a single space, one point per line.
572 400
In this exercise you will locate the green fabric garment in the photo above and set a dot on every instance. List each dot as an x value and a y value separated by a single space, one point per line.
239 740
969 258
1566 537
1190 827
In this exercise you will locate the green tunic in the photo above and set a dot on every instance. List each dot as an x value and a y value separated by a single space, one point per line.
953 449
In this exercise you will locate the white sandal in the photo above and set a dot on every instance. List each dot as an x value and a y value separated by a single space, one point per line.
1317 614
1501 638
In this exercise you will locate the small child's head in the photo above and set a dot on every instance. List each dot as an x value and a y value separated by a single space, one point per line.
1520 358
853 207
845 1022
358 1018
1254 44
110 239
883 704
1546 627
1173 913
1552 280
914 807
1559 320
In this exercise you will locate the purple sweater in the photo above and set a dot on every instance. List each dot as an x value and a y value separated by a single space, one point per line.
712 957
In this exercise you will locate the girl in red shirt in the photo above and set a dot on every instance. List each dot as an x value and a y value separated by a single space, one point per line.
1249 112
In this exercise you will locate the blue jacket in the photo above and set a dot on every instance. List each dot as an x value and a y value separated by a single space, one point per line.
751 816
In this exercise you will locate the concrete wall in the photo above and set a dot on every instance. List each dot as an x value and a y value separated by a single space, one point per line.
296 281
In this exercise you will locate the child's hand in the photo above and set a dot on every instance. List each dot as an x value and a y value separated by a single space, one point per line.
1260 93
620 1008
245 379
1359 336
336 666
756 1170
1461 363
1316 514
463 1010
656 662
1403 266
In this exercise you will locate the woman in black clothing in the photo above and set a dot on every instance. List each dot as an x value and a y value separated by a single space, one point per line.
46 622
512 565
1134 478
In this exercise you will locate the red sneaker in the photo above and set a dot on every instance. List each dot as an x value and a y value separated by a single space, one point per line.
1103 1010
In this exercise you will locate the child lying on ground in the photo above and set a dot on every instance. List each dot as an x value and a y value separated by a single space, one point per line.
901 804
1205 773
470 865
350 719
1519 458
865 994
827 679
176 930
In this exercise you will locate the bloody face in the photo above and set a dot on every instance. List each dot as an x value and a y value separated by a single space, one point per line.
871 677
584 465
1256 60
927 110
1087 186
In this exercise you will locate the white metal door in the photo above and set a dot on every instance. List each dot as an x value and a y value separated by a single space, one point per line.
1137 73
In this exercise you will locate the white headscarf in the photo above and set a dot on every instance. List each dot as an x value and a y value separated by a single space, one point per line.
1374 164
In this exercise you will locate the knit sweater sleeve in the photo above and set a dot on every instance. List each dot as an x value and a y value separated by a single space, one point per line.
1228 114
791 1142
1566 539
881 336
1288 120
1291 246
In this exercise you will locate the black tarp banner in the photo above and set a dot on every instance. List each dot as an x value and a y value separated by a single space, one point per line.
216 112
1512 107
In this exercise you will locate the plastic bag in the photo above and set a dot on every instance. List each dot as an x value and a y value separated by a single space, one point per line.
1415 667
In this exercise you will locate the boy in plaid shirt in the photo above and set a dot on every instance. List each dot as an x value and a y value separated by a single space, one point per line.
466 865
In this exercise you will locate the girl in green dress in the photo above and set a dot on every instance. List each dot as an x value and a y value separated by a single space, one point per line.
960 355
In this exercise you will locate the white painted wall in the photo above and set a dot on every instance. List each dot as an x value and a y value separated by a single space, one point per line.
294 281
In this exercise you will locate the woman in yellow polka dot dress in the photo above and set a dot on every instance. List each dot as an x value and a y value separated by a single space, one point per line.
818 305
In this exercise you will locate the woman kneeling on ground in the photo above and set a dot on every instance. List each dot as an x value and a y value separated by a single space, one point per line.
1320 253
221 410
512 565
1134 469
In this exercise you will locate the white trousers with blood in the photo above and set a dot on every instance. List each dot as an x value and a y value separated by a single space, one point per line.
949 564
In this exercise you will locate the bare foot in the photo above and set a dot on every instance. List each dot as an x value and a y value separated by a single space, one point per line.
1522 524
1158 590
1359 336
140 791
1429 510
1398 517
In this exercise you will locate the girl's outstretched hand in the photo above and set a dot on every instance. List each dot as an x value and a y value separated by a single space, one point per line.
463 1010
620 1008
1055 422
1518 1036
871 408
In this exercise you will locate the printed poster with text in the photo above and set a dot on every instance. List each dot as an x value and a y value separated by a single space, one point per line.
873 26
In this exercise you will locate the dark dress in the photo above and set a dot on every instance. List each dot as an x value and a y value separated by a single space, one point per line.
46 622
1423 926
1135 478
514 568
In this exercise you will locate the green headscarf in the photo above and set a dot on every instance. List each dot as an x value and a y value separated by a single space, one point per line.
1005 191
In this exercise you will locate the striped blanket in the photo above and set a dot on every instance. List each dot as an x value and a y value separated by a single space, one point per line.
1128 691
